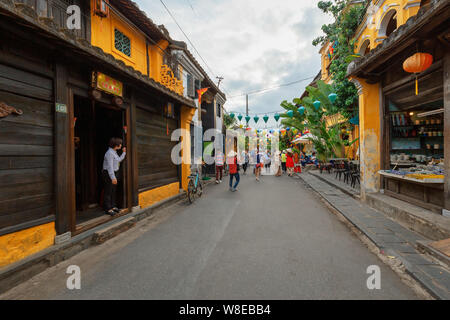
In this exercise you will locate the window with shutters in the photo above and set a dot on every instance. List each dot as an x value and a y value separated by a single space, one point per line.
122 43
196 87
190 86
219 109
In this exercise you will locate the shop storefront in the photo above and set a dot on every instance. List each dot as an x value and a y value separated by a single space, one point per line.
414 137
404 103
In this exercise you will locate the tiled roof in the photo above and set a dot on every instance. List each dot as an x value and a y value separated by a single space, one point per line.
132 11
27 13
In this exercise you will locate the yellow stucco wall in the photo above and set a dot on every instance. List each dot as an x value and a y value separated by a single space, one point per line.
102 36
325 63
370 133
150 197
371 31
186 117
21 244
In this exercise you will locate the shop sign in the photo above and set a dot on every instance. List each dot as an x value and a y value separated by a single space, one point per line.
61 108
107 84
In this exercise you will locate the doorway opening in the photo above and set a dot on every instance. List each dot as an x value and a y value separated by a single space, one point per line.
95 125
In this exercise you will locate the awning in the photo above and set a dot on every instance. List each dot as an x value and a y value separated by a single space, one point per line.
305 139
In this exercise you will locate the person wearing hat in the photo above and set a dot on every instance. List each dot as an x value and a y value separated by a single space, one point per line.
233 169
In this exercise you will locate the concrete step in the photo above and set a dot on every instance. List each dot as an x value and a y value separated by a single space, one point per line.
426 247
113 230
427 223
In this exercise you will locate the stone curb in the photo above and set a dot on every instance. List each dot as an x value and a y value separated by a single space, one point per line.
346 191
399 250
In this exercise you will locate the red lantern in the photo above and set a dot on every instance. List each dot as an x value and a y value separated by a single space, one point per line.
418 63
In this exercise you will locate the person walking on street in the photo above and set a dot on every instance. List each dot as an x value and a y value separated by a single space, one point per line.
278 164
267 161
219 160
259 164
283 161
234 170
246 159
290 163
111 175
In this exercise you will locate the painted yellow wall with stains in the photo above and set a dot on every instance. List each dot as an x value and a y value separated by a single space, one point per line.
370 130
186 117
19 245
372 33
150 197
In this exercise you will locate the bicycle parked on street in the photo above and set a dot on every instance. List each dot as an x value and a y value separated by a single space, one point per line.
195 187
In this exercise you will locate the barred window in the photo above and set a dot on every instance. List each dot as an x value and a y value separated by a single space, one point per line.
122 42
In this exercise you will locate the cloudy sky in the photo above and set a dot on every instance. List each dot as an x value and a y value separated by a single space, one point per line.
253 44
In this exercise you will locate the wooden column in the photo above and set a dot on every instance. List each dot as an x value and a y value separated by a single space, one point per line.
132 149
63 177
447 129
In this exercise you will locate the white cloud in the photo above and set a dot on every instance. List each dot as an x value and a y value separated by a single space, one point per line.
253 44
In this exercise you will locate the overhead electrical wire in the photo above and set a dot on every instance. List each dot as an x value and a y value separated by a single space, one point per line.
271 88
186 36
210 69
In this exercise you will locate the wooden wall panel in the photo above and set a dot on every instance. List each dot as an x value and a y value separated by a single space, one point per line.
155 166
26 148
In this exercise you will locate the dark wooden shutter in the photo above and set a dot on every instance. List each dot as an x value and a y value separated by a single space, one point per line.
155 166
197 87
190 86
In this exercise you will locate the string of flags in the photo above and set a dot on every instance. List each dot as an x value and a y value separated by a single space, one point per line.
255 118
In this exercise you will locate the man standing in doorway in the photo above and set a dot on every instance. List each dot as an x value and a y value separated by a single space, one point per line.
111 175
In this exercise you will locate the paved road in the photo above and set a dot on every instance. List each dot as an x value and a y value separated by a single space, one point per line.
269 240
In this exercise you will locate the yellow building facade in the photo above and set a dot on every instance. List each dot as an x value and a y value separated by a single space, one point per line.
148 57
381 19
144 54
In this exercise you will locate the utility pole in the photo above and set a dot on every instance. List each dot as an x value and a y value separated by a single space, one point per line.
246 105
220 80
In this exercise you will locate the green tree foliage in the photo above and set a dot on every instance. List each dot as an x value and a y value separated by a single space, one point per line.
228 120
340 33
328 142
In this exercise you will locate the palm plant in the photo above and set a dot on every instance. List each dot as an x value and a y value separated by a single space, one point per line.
327 141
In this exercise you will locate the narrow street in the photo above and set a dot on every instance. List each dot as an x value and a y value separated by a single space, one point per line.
269 240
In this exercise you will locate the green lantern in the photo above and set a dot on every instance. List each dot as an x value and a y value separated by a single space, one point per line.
301 110
290 113
232 115
256 118
317 104
240 117
332 97
266 118
247 118
277 117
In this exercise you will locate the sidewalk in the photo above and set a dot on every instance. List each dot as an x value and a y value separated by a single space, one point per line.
330 178
387 235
